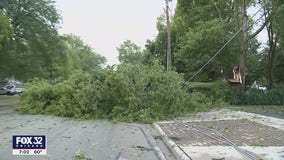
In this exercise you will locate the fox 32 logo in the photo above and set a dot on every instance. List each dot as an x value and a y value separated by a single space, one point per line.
29 145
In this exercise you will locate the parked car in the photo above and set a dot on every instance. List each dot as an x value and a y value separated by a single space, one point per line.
257 86
5 91
11 89
19 90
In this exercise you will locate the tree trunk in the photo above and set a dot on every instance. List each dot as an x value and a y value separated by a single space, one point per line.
244 48
272 42
169 54
271 53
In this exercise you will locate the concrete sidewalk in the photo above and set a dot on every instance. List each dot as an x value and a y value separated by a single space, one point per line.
256 136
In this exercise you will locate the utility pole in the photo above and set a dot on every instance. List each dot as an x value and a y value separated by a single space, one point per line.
169 54
244 46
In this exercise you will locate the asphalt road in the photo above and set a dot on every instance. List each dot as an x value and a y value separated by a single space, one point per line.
94 139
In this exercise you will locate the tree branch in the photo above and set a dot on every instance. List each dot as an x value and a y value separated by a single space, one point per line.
267 20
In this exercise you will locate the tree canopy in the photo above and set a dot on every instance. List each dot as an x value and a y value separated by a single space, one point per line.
129 52
5 29
35 49
200 28
81 56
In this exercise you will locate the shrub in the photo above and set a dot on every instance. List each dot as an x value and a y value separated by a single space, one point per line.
274 96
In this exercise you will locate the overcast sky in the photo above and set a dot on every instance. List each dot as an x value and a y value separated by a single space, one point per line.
105 24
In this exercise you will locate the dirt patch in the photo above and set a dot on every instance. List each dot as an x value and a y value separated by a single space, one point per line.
241 132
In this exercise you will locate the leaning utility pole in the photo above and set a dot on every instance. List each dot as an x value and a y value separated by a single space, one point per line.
169 54
244 47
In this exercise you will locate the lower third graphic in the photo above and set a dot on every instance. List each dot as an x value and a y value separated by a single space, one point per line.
29 145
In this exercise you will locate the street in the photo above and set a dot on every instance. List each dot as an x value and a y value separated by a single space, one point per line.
69 139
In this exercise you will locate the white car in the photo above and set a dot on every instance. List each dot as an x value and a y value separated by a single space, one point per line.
257 86
19 90
8 90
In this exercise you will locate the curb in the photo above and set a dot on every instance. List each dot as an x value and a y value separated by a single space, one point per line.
153 143
175 149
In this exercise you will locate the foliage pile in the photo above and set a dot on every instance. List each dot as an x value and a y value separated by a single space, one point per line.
132 92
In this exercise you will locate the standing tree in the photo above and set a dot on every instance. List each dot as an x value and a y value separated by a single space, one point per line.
274 24
31 48
129 52
156 49
201 28
81 56
5 29
274 28
243 56
169 49
5 33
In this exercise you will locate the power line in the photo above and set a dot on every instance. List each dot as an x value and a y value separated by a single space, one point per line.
217 136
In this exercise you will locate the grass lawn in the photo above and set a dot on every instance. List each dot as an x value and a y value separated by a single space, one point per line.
9 100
